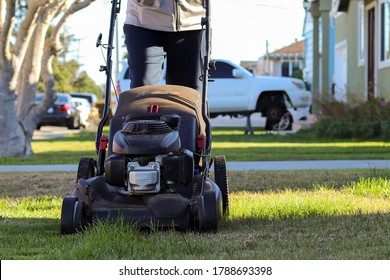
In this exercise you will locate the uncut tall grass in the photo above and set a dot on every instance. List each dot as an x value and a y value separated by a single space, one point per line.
322 221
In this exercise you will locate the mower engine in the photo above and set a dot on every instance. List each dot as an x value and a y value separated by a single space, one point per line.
148 157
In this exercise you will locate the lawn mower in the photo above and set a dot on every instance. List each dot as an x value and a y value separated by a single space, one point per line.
153 168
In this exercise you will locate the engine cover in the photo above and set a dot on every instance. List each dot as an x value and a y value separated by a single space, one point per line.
146 137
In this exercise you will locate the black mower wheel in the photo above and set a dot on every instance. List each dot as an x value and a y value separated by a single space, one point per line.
207 212
86 169
221 179
73 215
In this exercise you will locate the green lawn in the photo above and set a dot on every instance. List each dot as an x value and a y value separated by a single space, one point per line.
231 142
340 214
274 215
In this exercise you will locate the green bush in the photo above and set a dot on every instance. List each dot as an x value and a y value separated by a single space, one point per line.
365 120
385 129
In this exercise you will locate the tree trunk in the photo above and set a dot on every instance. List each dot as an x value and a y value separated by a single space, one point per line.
20 67
28 113
12 137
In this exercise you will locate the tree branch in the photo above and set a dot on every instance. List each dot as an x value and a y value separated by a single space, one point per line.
31 67
53 44
75 7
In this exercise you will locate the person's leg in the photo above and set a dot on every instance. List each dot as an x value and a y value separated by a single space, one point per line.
145 55
184 59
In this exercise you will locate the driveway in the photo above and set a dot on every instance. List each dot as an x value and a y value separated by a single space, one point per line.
47 132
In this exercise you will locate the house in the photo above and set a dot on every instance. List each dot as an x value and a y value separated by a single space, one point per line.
347 45
362 49
285 62
249 65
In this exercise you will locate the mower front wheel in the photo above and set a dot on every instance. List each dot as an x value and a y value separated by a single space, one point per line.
73 215
207 212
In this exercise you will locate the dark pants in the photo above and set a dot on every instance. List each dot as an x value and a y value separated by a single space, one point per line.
147 50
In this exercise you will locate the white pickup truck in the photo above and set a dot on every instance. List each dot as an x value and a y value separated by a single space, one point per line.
234 91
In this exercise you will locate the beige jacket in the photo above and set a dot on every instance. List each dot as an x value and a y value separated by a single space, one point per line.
165 15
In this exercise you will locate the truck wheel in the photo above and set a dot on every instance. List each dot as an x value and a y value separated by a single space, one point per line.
274 113
278 119
285 122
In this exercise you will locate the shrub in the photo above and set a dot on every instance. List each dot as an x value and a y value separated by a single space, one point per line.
365 120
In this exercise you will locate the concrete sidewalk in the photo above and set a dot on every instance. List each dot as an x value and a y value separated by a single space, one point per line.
237 166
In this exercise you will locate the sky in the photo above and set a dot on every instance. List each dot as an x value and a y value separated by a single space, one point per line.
241 29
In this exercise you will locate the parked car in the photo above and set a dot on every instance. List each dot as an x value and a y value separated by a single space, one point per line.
84 107
90 97
62 113
234 91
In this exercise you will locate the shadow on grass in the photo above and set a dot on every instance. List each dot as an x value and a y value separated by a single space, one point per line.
363 236
30 238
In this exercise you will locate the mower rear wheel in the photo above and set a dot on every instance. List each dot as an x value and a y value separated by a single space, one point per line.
207 212
221 179
86 169
73 215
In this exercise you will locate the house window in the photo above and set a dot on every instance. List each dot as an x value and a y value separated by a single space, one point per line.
384 54
285 69
290 68
295 68
361 33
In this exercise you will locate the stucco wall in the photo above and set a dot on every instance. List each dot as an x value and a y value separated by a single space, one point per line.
383 89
